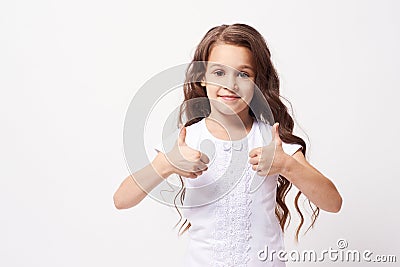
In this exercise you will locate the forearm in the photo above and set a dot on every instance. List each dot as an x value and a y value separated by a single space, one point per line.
135 187
314 185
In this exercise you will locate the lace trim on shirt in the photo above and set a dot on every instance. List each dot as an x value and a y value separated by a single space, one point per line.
232 212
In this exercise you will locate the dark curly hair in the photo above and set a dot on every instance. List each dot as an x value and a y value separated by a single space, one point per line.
267 81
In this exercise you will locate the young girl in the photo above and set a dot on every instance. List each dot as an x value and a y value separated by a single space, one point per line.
229 224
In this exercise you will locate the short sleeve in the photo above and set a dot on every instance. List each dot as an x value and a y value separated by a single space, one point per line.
290 149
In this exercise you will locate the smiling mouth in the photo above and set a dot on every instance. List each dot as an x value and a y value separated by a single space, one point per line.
229 97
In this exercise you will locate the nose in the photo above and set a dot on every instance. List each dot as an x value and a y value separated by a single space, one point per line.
231 83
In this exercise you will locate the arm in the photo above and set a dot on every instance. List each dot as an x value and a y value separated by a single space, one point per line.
129 193
271 159
313 184
181 160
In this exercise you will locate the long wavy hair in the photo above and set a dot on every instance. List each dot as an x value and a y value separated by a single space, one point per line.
267 81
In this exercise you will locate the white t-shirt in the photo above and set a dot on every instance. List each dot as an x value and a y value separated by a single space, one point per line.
231 225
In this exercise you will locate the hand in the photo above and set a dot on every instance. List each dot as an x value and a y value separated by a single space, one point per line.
268 160
185 160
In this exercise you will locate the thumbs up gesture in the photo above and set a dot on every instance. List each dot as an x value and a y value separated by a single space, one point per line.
186 161
268 160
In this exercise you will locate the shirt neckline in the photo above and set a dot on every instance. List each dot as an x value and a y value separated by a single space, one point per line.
249 134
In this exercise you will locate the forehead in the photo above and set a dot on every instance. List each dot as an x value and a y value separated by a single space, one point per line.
232 55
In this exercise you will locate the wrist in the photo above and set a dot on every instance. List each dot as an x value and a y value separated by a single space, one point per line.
162 165
287 166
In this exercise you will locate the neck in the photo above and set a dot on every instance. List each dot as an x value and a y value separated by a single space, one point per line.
230 127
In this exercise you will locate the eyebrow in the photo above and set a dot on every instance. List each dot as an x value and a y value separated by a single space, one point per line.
240 67
246 67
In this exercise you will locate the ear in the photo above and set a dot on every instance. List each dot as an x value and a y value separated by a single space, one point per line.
203 83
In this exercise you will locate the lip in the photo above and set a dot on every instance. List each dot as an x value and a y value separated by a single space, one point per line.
229 97
236 96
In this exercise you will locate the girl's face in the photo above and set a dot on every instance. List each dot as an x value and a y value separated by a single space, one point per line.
229 79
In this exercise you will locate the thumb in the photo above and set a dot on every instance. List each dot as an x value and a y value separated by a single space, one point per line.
275 134
182 136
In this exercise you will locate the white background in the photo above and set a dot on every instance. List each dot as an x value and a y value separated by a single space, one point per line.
69 69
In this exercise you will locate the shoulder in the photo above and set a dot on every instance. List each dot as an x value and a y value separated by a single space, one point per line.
262 125
291 149
195 126
194 133
266 131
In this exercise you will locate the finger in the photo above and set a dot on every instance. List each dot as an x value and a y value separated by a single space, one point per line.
254 152
273 130
254 167
182 136
188 174
201 166
204 158
275 134
192 175
254 160
198 173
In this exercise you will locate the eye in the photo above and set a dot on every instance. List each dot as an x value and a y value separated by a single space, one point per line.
219 72
243 75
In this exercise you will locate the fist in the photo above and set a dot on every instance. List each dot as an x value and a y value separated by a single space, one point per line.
186 161
268 160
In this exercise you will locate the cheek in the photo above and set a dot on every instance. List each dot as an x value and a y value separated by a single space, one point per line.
248 95
211 91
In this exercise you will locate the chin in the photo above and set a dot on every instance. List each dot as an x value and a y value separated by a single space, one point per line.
226 110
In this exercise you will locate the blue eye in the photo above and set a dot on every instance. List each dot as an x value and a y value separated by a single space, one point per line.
219 73
243 75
